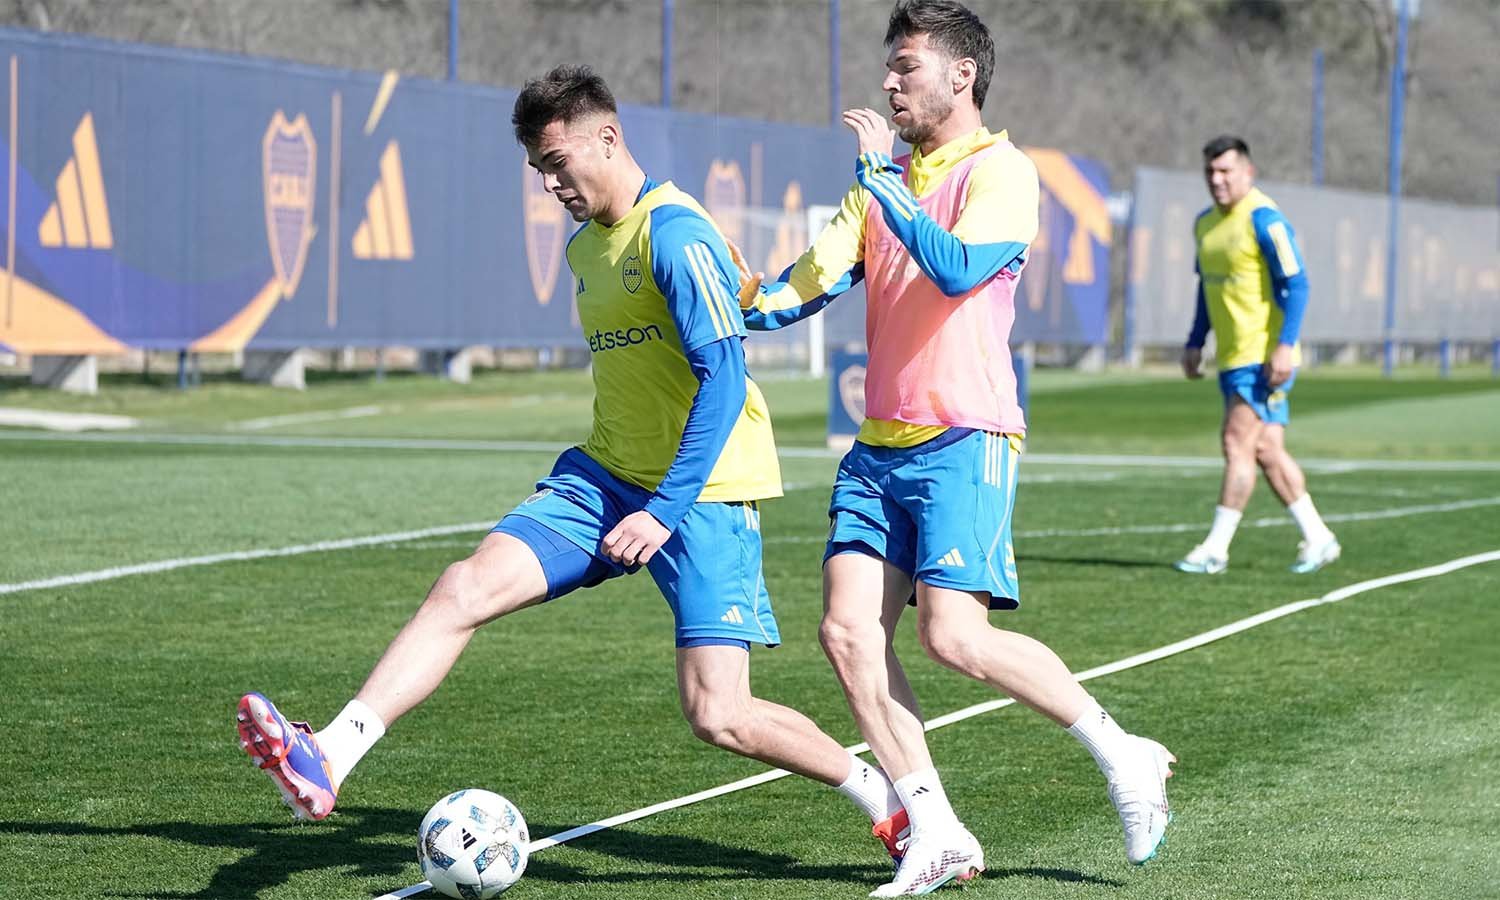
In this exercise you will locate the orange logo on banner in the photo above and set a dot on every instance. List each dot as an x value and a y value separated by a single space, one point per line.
791 231
385 232
724 198
545 224
80 216
289 168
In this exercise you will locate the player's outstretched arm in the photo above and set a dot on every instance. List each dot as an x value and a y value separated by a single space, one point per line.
831 266
992 235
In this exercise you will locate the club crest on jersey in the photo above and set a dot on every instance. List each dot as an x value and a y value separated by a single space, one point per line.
289 168
630 274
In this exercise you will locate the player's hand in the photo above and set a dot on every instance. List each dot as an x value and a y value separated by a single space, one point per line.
872 130
635 540
1281 366
749 281
1192 362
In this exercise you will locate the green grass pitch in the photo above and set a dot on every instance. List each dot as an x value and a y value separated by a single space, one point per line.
1348 751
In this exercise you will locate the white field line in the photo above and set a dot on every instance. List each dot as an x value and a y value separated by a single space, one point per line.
167 565
18 417
327 415
1058 459
1368 515
1129 662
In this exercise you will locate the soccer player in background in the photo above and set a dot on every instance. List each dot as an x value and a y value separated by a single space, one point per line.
922 503
1252 291
670 479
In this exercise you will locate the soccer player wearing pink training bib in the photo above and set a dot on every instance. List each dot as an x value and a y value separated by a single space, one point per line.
922 503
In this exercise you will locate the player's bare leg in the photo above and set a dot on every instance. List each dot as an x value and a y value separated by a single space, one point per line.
1239 439
502 576
955 631
1318 547
863 599
713 683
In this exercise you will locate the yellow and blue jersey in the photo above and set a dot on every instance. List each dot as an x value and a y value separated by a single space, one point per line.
1252 286
674 411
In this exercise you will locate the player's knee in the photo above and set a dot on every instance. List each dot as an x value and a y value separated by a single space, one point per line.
950 646
846 642
720 724
468 596
1267 454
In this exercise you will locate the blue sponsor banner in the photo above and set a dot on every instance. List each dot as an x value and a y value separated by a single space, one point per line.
179 199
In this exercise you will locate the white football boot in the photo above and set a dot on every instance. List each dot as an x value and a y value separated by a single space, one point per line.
1202 561
1312 557
1138 789
933 858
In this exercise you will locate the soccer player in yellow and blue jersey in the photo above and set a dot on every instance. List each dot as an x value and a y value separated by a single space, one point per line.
670 479
1252 292
922 503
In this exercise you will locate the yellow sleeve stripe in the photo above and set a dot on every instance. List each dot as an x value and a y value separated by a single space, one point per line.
701 262
1284 252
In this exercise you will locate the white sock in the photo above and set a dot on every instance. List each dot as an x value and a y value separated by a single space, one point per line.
1098 731
349 737
1314 531
870 790
926 803
1226 520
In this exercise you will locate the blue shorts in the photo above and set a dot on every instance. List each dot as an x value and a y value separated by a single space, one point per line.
1249 384
939 511
709 570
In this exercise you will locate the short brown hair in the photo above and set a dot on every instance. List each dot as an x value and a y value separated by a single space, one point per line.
566 93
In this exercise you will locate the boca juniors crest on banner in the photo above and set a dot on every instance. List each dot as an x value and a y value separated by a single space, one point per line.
289 168
545 223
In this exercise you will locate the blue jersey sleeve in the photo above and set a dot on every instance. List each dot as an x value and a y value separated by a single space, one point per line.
1278 246
956 267
692 267
720 370
1199 333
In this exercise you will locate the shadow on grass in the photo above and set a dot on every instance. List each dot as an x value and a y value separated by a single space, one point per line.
1094 561
378 843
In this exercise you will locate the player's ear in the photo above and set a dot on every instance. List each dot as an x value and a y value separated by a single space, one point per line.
610 137
964 72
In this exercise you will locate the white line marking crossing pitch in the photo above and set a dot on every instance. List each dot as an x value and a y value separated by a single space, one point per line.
969 712
1057 459
327 415
167 565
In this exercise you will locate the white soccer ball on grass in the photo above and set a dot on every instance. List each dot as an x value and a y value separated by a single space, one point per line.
473 845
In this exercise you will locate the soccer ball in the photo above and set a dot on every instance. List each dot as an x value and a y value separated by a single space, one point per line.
473 845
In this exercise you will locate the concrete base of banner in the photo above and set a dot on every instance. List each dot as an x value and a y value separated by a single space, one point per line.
455 365
278 368
74 374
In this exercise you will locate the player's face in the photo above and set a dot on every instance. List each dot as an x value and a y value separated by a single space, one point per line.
920 88
573 159
1230 177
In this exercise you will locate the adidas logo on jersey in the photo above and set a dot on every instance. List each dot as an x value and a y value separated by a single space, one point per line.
733 617
953 558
